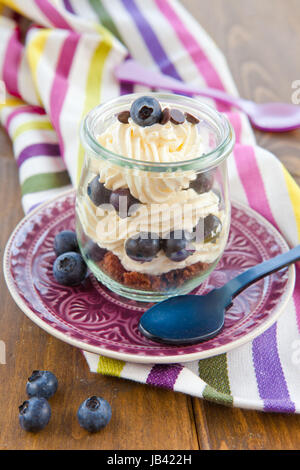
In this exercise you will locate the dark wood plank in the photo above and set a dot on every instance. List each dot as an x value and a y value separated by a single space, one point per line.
143 417
260 40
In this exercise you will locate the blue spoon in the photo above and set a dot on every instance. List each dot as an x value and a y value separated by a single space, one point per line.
188 319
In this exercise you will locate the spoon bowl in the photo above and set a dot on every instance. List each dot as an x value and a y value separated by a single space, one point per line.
185 319
188 319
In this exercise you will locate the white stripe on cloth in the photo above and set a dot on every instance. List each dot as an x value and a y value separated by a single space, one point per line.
277 193
32 137
241 360
125 24
188 382
41 164
31 199
288 343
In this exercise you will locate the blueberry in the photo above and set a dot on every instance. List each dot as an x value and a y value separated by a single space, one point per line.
34 414
122 200
69 269
145 111
41 383
94 414
212 228
143 247
203 182
177 246
94 252
97 192
208 229
65 241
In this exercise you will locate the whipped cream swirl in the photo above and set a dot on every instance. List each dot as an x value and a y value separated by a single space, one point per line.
156 144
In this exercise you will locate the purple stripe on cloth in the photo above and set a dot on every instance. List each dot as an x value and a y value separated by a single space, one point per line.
151 40
164 376
34 206
68 6
38 150
269 374
23 109
126 88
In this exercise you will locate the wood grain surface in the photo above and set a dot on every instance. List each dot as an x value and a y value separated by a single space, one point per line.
261 40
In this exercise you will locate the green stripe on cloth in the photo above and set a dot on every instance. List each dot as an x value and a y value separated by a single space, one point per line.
109 366
105 18
44 181
214 372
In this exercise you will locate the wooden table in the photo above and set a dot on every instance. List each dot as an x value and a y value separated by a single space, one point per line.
261 42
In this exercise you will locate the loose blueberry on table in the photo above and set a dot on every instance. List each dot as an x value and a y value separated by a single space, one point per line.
34 414
41 383
94 413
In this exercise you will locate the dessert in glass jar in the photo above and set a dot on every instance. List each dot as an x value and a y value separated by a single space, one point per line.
152 208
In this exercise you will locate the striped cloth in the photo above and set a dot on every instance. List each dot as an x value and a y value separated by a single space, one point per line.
57 59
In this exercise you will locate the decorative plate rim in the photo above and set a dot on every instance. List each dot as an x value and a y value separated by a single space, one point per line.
129 357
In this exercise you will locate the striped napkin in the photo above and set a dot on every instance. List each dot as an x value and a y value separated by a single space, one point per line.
56 60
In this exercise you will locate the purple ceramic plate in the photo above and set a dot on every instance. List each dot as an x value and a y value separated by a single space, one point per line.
94 319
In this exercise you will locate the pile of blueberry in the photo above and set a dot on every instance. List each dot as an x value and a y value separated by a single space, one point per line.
93 414
177 246
69 268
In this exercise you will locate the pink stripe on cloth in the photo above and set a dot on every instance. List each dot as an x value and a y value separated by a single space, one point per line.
252 181
60 83
11 64
23 109
197 54
235 121
52 14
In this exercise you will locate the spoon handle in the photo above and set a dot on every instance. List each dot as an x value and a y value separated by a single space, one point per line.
244 280
131 71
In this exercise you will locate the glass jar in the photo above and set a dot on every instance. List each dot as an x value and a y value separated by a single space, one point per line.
152 208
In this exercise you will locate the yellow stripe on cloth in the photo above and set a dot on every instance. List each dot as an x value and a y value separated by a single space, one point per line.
109 366
11 102
93 86
294 193
12 5
34 51
32 125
